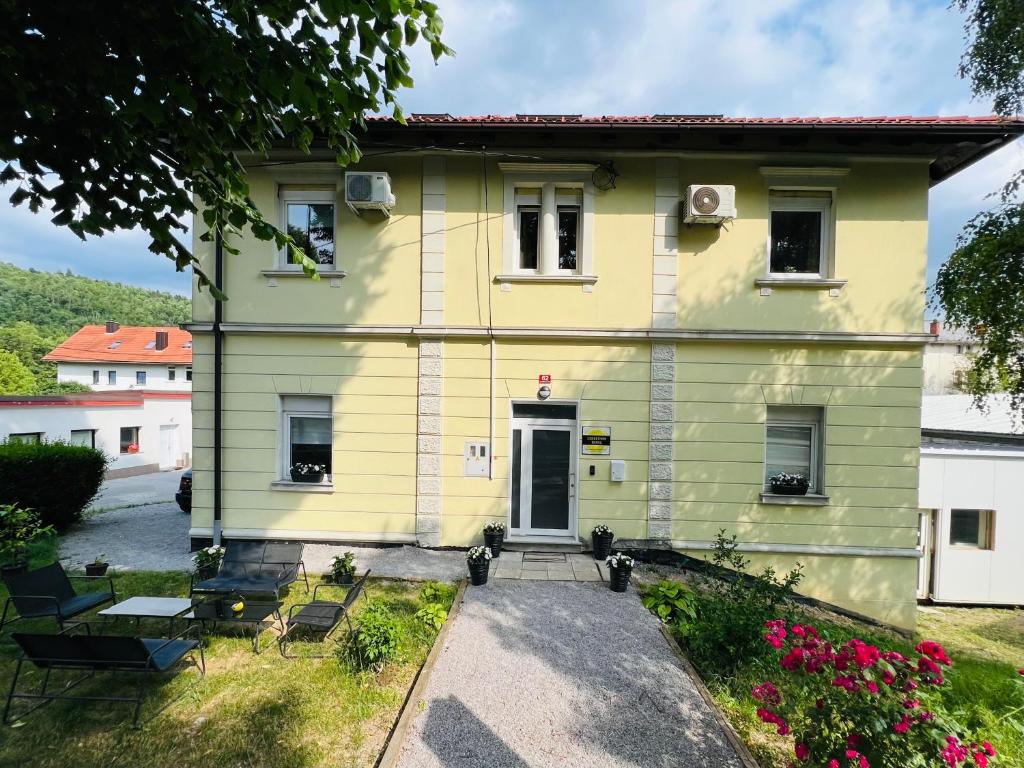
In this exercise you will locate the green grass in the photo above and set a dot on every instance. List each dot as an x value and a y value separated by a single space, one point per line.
983 692
249 710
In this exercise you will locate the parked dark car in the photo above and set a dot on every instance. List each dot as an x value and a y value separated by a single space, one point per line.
184 494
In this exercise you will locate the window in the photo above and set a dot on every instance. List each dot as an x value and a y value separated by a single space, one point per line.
129 439
86 437
25 437
309 216
140 377
172 373
306 431
793 444
95 377
569 205
528 214
800 233
188 373
111 377
566 206
971 528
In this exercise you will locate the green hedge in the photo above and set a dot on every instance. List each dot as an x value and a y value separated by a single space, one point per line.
55 479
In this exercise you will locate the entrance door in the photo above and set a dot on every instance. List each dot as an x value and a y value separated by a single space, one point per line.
168 445
543 493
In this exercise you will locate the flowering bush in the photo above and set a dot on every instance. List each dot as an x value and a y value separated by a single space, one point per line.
602 530
207 560
787 480
857 706
619 560
494 528
478 555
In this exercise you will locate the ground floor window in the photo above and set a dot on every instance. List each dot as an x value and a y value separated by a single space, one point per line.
25 437
971 528
306 434
793 444
95 377
86 437
129 439
172 373
111 377
188 373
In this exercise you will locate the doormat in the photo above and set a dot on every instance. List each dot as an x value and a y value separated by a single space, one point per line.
543 557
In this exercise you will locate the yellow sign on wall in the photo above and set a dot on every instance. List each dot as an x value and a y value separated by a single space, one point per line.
596 441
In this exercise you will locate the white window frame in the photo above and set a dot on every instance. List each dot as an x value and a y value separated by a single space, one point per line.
816 204
188 373
800 416
95 377
295 196
287 414
112 378
141 375
172 373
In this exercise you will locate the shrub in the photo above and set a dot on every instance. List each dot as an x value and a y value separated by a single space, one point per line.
18 528
436 599
671 601
376 638
437 592
343 565
859 706
57 480
432 616
731 612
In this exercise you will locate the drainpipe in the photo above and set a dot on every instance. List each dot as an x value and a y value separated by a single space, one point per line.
218 387
490 462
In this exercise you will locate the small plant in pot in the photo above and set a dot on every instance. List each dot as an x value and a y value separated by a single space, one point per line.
479 560
18 528
302 472
343 568
494 535
97 567
620 566
601 538
207 561
789 484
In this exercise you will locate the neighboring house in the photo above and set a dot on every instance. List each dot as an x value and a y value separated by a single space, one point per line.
140 431
947 359
972 502
113 357
556 321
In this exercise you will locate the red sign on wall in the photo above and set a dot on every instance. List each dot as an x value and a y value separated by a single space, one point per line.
544 378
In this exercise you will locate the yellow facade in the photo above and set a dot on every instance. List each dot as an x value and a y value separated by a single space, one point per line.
407 395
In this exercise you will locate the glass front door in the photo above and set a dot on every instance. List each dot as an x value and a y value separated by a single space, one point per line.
543 493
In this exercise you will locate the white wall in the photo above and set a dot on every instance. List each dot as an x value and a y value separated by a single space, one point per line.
969 478
156 376
941 362
57 423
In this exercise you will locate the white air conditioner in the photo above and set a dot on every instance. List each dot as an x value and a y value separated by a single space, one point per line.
369 190
709 203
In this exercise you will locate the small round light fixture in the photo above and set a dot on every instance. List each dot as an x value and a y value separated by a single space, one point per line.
544 392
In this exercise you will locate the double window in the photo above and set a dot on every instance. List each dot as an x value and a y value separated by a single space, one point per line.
309 216
534 206
971 528
800 233
307 433
794 444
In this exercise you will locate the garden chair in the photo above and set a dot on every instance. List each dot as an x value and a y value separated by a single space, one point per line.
321 617
89 653
255 567
48 591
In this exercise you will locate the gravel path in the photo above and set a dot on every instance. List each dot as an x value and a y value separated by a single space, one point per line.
560 674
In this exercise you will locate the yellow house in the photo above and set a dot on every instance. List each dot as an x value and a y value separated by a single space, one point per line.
558 321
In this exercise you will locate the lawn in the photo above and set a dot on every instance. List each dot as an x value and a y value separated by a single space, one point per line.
249 710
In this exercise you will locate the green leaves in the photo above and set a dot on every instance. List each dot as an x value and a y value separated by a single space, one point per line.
671 601
993 61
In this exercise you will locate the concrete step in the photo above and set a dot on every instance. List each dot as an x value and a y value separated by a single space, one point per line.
542 545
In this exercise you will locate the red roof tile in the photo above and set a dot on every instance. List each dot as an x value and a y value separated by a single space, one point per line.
92 344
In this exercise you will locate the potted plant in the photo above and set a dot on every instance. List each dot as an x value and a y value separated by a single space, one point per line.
494 535
789 485
343 568
97 567
479 560
207 561
302 472
18 528
620 566
601 538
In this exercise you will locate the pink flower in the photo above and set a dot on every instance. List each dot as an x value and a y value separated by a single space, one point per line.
782 730
903 725
852 754
872 686
863 762
833 763
767 693
934 651
980 759
853 740
802 751
989 749
819 704
888 677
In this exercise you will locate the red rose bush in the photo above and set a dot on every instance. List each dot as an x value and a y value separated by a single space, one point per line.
857 706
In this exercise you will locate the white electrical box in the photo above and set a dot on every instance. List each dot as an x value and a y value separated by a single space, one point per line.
477 457
618 470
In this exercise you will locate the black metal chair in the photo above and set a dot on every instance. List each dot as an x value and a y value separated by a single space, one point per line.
321 617
48 591
90 653
255 568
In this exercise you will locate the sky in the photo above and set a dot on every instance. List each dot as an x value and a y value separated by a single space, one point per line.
609 57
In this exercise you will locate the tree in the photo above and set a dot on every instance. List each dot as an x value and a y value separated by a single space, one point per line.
15 378
981 286
138 112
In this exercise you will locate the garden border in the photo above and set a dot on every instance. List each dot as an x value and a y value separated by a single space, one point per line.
396 738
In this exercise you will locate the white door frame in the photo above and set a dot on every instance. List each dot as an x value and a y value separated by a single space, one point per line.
526 467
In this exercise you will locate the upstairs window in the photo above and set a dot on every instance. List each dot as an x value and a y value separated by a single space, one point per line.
111 377
172 373
95 377
307 432
528 227
569 206
188 373
793 444
309 216
565 204
800 233
140 378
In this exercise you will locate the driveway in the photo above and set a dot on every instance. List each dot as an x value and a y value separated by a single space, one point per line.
542 673
138 489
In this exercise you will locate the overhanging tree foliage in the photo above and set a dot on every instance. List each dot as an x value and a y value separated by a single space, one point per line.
981 286
114 115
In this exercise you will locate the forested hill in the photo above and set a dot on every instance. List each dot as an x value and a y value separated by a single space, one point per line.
59 304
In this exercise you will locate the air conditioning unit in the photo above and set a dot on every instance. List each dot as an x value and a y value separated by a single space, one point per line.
709 203
369 190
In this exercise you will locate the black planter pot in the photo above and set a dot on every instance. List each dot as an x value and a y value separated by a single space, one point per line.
618 579
789 490
96 569
478 573
493 542
342 578
18 566
205 572
316 477
602 545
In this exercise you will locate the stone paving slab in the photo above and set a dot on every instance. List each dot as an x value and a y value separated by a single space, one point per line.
537 673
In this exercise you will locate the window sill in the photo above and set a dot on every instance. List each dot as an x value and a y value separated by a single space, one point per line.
300 273
287 485
529 278
832 285
786 500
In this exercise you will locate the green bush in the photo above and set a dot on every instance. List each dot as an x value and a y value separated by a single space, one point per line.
56 480
376 639
671 601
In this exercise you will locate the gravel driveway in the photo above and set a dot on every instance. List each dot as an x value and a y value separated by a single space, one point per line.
560 674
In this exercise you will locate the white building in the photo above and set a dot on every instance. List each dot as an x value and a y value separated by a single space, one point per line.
112 357
946 359
140 431
972 502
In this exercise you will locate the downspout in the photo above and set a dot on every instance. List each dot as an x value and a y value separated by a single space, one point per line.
490 463
218 388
